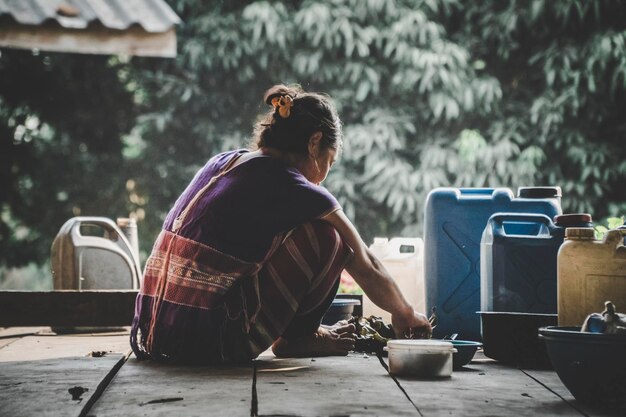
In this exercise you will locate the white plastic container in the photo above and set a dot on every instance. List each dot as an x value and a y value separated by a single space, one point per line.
420 358
107 261
87 262
406 268
590 272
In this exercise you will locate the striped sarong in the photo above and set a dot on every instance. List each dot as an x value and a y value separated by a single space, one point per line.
197 304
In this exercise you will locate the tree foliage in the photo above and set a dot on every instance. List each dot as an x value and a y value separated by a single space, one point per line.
562 68
431 93
61 118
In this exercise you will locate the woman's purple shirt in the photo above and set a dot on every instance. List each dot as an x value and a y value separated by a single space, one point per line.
242 212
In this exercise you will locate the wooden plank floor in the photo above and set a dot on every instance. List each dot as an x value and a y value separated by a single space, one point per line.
334 386
152 389
485 389
37 368
13 334
551 381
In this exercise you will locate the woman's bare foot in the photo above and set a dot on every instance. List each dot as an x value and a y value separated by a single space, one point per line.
324 342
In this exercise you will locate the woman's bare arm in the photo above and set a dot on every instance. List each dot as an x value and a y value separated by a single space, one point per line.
374 279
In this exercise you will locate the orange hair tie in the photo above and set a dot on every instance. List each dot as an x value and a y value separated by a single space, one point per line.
283 104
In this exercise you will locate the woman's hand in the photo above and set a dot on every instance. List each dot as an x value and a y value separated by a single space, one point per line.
411 325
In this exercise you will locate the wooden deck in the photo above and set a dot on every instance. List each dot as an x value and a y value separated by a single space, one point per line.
43 374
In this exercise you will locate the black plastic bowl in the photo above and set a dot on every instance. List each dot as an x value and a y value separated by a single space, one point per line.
591 365
465 350
340 309
511 338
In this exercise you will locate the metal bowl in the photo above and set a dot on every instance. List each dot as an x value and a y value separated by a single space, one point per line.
465 351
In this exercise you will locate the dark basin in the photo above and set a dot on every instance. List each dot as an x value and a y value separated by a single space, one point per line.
340 309
512 338
591 365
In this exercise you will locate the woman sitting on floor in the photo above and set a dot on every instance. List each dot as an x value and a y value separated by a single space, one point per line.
251 253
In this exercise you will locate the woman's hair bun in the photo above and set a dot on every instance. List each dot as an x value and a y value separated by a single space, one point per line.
288 126
279 91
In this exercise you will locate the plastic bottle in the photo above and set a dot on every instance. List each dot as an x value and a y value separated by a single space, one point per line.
589 273
128 226
454 222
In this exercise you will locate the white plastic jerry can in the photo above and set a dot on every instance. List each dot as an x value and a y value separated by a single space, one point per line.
590 272
104 261
403 258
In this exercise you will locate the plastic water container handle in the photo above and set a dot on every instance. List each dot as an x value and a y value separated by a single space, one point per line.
497 220
103 222
106 244
108 225
616 236
111 227
485 193
397 242
477 191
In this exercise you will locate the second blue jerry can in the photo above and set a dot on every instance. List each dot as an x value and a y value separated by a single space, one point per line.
518 257
454 221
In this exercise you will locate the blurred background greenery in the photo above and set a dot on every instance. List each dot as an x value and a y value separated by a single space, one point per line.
431 92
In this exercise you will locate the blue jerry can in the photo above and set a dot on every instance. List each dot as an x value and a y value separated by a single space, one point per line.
454 222
518 261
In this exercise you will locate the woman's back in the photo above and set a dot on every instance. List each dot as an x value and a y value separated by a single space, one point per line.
242 212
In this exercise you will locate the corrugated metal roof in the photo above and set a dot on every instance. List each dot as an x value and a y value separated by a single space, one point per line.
152 15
